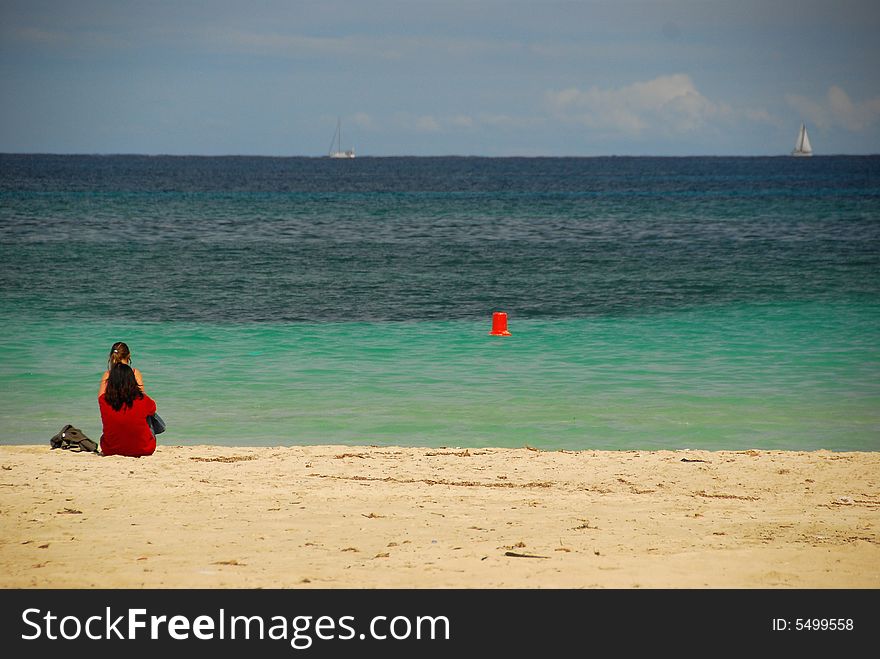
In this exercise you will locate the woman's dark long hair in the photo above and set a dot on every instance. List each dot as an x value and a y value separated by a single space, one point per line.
122 387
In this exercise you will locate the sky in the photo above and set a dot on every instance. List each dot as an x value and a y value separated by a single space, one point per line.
425 77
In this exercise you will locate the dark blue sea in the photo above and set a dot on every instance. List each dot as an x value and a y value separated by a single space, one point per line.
653 303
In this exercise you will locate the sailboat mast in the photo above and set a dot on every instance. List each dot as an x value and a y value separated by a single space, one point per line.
333 141
336 145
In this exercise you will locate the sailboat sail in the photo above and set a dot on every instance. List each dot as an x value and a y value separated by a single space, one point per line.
803 147
336 145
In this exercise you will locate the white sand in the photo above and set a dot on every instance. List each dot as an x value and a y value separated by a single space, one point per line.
381 517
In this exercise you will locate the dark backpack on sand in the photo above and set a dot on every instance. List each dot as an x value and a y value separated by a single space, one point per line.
73 439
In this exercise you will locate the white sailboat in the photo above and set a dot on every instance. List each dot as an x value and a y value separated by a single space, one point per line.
802 147
336 145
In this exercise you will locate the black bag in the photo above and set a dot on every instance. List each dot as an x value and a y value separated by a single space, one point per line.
73 439
157 425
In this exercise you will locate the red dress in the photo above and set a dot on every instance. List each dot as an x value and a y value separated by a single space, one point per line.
126 431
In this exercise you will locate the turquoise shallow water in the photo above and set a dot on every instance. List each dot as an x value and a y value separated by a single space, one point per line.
795 377
716 303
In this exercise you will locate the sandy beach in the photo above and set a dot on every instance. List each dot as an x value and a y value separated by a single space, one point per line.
389 517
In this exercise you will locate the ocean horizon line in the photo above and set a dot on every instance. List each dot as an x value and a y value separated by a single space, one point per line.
428 156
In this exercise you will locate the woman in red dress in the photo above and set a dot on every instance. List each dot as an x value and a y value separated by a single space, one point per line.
124 411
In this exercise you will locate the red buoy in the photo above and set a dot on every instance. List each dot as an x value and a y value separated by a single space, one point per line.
499 324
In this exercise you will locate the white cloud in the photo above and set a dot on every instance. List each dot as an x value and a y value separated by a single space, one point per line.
837 109
363 120
854 116
509 122
460 123
668 104
762 116
427 124
811 111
